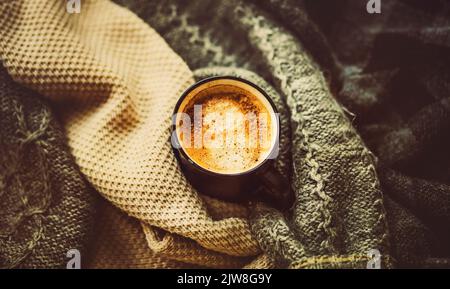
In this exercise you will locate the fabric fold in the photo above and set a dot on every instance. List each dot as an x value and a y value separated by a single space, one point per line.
120 243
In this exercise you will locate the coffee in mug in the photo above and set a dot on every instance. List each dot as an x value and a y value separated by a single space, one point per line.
225 134
226 126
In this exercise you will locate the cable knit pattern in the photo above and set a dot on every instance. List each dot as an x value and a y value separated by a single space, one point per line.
47 207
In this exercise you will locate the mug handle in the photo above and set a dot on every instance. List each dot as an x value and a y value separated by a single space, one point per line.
276 189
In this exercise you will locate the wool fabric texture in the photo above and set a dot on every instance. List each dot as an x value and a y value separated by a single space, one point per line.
120 243
394 78
47 207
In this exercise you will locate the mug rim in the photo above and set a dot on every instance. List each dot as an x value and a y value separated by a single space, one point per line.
183 153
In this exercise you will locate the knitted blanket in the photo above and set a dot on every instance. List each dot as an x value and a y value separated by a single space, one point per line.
342 83
47 208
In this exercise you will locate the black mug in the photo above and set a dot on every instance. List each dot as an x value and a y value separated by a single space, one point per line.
262 181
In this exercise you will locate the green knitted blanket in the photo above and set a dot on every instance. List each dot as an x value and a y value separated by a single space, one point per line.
352 83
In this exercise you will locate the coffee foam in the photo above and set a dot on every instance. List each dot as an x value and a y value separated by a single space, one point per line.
235 129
